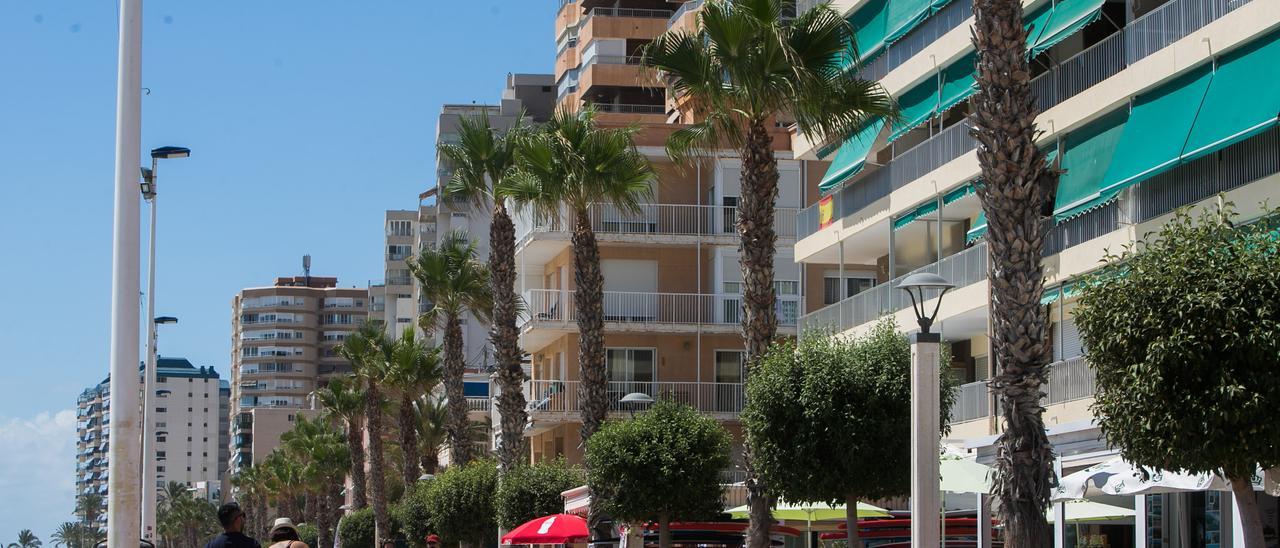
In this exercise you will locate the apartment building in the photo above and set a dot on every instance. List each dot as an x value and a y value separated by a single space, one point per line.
191 423
284 346
1134 106
672 281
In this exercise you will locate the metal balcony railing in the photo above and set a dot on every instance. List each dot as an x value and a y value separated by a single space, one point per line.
629 12
551 396
629 109
684 8
1068 380
973 401
962 269
555 305
654 219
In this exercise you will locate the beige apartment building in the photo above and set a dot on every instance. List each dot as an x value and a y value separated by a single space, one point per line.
672 281
284 346
1135 108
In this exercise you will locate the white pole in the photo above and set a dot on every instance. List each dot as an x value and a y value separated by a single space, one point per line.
925 488
984 521
149 384
122 499
1059 513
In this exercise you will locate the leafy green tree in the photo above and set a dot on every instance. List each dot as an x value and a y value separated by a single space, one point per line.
663 465
455 281
357 529
533 490
745 63
414 513
1183 330
826 410
461 504
482 160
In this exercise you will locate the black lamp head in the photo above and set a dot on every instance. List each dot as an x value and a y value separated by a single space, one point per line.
164 153
915 286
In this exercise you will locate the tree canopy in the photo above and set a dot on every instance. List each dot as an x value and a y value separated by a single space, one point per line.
532 491
663 465
1183 331
830 416
461 504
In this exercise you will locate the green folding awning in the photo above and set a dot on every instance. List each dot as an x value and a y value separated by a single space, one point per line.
851 157
958 81
1052 294
915 106
978 229
1087 154
1243 99
955 195
1036 20
920 212
905 15
1065 18
1157 130
869 27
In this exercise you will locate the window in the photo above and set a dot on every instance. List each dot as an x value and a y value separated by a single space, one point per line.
629 364
162 379
853 286
729 366
160 469
786 287
397 252
162 409
160 439
399 228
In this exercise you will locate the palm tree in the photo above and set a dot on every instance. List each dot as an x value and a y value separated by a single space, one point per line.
26 539
574 164
483 160
367 351
284 484
455 282
322 450
430 416
71 535
1017 195
414 371
89 508
746 63
251 483
342 403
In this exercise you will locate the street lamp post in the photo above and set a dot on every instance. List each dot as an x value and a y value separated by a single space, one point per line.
636 399
926 503
148 493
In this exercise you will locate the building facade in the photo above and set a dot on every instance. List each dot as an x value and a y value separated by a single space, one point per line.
191 431
284 346
1133 106
672 280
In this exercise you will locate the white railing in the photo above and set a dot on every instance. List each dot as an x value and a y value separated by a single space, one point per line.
654 219
973 401
550 396
556 305
684 8
478 404
1068 380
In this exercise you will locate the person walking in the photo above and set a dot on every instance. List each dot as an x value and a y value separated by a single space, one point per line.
284 534
232 520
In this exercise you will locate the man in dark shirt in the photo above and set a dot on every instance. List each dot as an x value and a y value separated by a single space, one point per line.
232 519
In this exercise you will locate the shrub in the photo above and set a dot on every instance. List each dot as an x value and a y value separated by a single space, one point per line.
532 491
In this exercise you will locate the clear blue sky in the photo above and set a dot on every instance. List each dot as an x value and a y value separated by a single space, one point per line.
307 119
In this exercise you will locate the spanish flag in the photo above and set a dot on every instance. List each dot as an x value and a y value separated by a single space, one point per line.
826 212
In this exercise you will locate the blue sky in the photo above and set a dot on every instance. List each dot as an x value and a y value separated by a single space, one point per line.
307 119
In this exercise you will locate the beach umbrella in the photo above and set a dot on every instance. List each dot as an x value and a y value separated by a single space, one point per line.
1118 477
813 512
553 529
1081 511
960 475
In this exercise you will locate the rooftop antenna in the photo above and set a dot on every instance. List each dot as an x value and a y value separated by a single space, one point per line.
306 268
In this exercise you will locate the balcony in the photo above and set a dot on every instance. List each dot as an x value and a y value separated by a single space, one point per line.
551 399
678 224
479 404
1069 380
964 268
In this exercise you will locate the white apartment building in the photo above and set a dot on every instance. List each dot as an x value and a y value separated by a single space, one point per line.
192 429
1148 105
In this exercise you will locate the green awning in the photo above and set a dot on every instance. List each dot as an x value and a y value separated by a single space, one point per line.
955 195
1087 154
958 81
1243 99
978 229
915 106
905 15
920 212
851 157
1066 18
1036 21
1052 294
1157 130
869 27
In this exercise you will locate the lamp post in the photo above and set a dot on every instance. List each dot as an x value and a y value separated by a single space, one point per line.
148 493
926 504
636 398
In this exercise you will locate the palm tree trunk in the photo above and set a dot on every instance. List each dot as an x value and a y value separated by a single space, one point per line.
323 517
760 315
587 302
505 338
355 446
409 440
309 506
458 427
377 478
430 461
1018 189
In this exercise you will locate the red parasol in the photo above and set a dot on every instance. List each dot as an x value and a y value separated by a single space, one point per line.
553 529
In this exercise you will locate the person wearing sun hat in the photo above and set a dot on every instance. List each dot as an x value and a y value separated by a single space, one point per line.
284 534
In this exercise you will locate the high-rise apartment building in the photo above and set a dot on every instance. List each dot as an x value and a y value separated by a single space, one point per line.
191 422
672 280
1134 106
284 346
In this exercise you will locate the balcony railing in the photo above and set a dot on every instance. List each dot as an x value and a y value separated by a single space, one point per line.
656 220
629 12
629 109
684 8
1068 380
962 269
612 60
554 305
478 404
708 397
